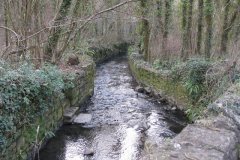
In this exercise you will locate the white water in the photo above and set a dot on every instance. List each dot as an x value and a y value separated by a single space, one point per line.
130 145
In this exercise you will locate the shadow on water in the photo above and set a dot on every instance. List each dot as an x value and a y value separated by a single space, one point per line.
122 120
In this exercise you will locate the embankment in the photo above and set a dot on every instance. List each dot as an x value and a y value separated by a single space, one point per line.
215 138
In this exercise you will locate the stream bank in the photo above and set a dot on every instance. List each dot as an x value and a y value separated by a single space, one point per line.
215 137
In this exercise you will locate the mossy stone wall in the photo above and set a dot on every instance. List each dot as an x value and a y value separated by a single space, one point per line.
160 81
102 54
22 143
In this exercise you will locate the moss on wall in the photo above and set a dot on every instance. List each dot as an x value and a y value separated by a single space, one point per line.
147 76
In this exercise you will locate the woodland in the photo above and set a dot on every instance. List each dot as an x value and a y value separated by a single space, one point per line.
198 41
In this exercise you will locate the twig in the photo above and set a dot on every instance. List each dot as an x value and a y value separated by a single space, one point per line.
103 11
38 32
22 50
16 35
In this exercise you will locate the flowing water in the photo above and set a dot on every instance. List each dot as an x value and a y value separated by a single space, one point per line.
123 120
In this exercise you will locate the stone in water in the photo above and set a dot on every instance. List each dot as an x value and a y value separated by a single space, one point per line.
89 152
83 118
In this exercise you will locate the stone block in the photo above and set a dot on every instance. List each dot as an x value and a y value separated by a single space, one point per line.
195 153
83 118
206 138
69 114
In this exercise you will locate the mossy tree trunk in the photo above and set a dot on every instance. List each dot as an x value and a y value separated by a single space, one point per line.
224 36
168 9
36 13
209 28
189 27
227 25
200 26
160 7
145 30
184 53
146 37
55 32
76 13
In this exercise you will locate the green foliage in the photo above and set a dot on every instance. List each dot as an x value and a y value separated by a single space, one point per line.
83 47
192 74
163 65
195 78
208 9
132 49
194 113
26 93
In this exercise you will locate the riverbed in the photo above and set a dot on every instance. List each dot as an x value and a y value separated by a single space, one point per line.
124 122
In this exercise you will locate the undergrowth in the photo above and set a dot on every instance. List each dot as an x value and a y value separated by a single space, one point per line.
203 80
26 93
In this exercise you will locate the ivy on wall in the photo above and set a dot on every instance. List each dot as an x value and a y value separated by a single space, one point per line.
25 93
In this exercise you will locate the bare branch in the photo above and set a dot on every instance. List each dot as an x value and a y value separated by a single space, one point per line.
104 11
17 36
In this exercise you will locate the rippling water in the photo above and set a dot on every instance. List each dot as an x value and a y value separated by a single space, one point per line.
122 121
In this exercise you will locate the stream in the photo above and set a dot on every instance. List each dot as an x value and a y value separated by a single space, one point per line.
123 120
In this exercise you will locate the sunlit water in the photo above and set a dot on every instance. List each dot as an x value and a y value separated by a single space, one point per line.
122 120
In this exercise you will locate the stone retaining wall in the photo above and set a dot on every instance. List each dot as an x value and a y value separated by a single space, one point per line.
102 54
159 81
216 137
22 143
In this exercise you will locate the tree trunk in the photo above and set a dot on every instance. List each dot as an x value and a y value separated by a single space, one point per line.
209 32
224 37
146 37
189 27
160 14
36 20
145 30
56 31
200 26
227 25
184 54
168 4
6 22
73 25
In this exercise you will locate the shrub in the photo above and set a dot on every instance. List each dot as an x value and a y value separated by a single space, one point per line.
25 93
195 77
